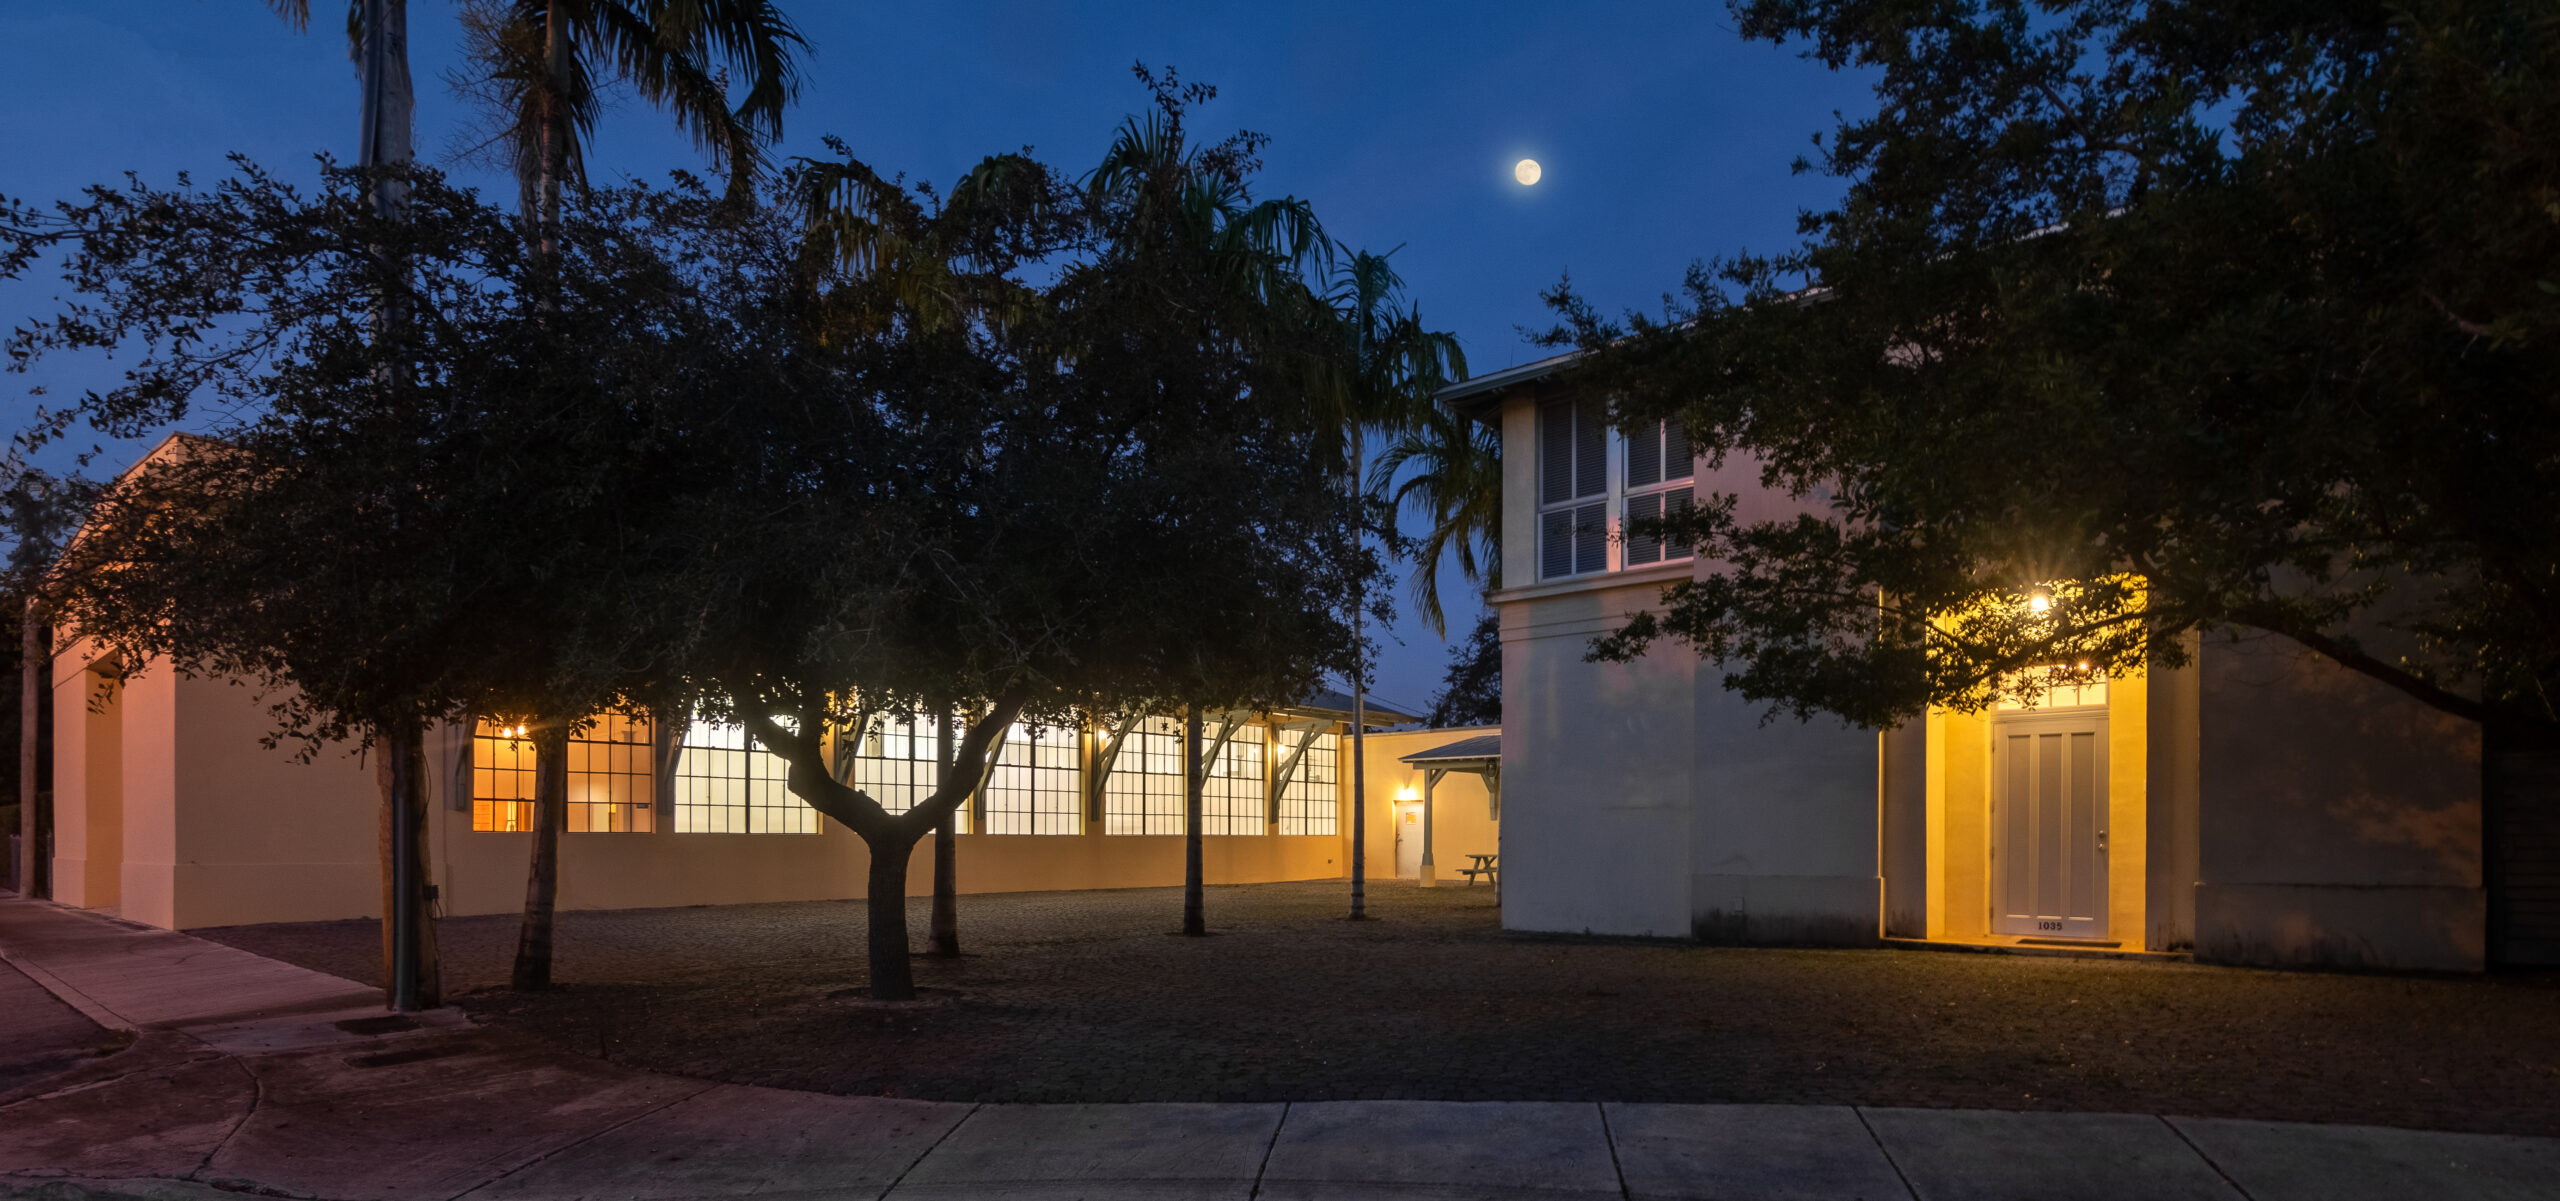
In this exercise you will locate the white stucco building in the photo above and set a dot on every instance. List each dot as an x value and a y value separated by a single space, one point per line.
2262 805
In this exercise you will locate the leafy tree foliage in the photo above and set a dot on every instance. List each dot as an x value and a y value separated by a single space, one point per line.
396 523
2136 321
1057 466
1471 692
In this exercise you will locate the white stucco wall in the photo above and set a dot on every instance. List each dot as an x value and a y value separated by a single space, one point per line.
1596 784
2338 820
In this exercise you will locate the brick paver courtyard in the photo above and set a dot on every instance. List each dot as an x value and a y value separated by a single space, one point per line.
1089 997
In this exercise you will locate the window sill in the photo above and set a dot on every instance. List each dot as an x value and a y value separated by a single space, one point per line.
1656 574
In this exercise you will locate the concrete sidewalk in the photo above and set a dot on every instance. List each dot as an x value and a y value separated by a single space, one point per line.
249 1075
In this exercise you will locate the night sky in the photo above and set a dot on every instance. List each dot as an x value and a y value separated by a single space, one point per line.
1663 135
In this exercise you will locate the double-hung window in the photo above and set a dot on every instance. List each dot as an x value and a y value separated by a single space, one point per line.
1661 482
1573 489
1596 485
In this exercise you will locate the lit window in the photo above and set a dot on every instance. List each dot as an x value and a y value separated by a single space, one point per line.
611 787
1143 793
725 784
898 762
501 778
1231 798
2063 689
1037 784
1311 800
610 783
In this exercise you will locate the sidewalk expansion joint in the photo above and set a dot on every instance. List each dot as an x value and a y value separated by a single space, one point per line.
2227 1178
1887 1152
583 1140
1260 1169
1609 1135
920 1155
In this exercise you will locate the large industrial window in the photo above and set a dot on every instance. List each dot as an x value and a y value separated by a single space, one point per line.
609 781
1143 793
501 778
1231 799
609 777
725 784
898 761
1037 784
1312 802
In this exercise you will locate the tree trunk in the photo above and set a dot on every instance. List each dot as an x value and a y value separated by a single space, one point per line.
944 941
32 669
555 133
412 976
892 976
1359 703
1359 799
1194 921
390 105
542 875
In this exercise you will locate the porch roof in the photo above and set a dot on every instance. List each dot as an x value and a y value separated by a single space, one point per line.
1480 751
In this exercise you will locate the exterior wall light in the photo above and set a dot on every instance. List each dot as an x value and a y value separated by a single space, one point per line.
1407 793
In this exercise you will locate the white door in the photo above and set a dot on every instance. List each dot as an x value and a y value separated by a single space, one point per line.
2049 824
1409 841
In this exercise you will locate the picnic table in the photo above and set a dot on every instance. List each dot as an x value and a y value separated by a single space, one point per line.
1484 866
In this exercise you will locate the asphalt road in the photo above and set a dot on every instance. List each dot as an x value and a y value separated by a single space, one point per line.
40 1035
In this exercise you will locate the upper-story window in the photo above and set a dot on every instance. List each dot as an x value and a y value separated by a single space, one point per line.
1593 482
1573 489
1660 482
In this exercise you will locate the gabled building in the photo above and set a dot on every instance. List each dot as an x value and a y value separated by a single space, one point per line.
2262 805
168 810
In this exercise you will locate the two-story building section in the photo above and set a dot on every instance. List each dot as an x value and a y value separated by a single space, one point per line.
2261 805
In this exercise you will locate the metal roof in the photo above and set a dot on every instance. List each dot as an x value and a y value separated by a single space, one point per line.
1483 387
1482 746
1328 703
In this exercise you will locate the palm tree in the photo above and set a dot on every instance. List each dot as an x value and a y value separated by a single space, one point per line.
1390 367
543 65
1191 208
1456 484
378 39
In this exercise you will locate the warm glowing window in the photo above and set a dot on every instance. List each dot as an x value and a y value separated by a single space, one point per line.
501 778
2063 689
610 784
1231 798
1143 793
1037 784
725 784
1311 801
898 762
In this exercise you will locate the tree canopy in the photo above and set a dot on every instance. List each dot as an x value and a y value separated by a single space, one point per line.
2134 322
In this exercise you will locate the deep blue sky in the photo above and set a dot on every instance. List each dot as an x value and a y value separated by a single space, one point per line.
1664 136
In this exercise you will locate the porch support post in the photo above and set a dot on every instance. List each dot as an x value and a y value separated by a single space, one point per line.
1430 777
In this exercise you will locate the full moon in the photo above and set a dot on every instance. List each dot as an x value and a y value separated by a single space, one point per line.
1526 171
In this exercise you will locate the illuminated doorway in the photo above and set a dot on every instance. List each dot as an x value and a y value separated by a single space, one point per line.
2049 822
1409 840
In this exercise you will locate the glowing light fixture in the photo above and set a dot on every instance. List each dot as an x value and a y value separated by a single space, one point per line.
2039 600
1407 793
